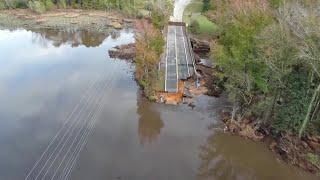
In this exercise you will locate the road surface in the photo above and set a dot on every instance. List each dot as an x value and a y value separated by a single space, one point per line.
179 6
178 59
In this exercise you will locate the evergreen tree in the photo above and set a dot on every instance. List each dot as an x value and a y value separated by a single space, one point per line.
206 5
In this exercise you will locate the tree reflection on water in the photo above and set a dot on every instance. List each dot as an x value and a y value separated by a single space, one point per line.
150 123
58 37
213 162
228 157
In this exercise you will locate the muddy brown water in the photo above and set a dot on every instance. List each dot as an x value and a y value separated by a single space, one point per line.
44 73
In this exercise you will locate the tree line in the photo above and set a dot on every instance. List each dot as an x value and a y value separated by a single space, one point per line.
267 54
40 6
149 47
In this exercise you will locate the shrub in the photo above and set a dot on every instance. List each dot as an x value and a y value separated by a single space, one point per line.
291 110
75 5
128 10
148 6
314 159
149 46
158 18
62 4
139 15
275 3
2 5
206 5
15 4
37 6
20 4
194 26
203 26
156 43
49 4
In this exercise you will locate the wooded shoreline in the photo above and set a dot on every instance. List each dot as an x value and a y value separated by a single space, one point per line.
267 61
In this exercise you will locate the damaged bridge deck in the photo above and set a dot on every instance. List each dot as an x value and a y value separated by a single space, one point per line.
179 61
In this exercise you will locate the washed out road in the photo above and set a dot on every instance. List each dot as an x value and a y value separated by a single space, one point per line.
178 60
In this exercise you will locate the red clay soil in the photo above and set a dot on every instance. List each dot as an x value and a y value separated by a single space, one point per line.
169 98
172 98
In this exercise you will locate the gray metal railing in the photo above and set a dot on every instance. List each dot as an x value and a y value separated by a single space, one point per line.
192 55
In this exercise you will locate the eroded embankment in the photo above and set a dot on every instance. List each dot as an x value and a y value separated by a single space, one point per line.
288 146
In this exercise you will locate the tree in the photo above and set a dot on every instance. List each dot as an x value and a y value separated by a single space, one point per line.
236 54
206 5
303 20
158 18
269 57
149 46
277 49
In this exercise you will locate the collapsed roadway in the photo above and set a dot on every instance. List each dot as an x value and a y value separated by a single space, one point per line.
179 60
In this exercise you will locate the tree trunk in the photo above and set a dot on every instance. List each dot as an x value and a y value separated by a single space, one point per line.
309 112
270 111
234 111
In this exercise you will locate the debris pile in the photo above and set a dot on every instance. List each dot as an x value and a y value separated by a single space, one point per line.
126 51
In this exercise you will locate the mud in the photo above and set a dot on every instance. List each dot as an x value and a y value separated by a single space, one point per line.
127 52
287 146
99 21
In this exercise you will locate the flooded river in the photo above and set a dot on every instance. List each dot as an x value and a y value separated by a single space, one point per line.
68 111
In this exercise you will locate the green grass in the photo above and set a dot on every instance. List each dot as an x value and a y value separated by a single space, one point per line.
206 27
314 159
194 8
193 13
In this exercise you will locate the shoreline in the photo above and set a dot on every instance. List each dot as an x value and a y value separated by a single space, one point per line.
289 148
93 20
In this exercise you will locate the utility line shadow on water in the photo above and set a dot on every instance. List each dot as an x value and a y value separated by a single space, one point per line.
80 127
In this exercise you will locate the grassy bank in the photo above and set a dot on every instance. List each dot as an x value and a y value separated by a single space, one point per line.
202 26
193 8
198 23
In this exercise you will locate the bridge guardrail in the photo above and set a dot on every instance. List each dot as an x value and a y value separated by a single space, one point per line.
192 56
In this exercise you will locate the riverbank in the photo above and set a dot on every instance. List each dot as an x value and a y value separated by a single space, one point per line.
91 20
188 89
288 147
300 152
273 100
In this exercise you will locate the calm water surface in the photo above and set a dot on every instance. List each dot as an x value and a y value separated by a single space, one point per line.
45 74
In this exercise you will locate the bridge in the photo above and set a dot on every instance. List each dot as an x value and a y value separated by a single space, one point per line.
179 60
